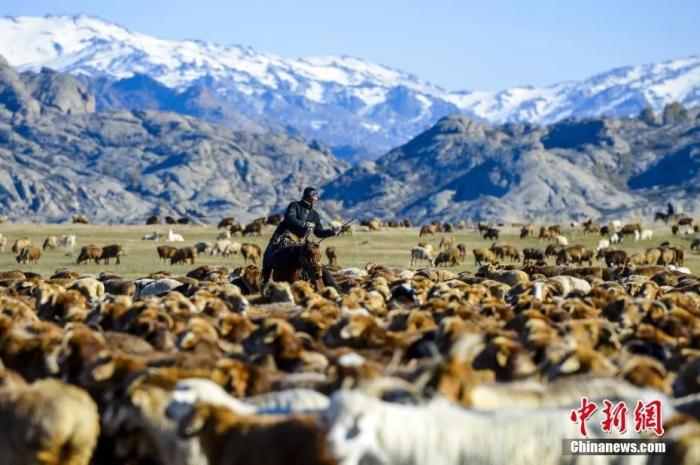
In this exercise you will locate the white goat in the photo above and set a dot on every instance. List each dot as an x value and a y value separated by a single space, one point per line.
647 235
363 428
420 253
172 237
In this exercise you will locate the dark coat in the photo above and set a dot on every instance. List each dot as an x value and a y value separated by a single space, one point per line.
298 213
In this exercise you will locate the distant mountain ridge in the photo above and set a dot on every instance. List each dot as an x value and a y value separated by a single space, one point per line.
59 157
358 108
575 169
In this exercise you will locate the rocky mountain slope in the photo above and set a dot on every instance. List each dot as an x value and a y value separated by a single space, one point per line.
59 157
599 167
359 108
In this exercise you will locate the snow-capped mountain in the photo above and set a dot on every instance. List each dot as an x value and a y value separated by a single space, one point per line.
359 108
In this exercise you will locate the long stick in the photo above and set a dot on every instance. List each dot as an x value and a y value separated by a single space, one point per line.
341 228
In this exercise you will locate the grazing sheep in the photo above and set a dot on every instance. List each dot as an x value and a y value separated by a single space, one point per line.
332 256
603 244
20 244
451 257
47 422
152 220
647 235
112 251
172 237
615 239
154 236
250 252
165 252
183 255
482 256
67 241
616 225
51 242
254 228
421 253
561 240
80 219
203 248
90 252
226 222
491 233
427 229
30 254
3 243
532 254
226 248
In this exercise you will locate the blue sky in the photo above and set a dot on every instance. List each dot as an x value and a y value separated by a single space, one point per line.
475 45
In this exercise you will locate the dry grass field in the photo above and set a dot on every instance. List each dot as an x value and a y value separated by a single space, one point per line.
389 246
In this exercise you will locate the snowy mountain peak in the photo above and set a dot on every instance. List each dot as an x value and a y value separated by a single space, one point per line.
353 105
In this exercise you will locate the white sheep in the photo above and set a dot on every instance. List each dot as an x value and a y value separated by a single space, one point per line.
224 235
636 235
617 225
363 428
603 244
157 287
647 235
172 237
154 236
561 240
3 243
567 284
420 253
679 269
615 238
191 391
66 241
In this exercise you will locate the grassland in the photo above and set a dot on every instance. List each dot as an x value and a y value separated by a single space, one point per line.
389 246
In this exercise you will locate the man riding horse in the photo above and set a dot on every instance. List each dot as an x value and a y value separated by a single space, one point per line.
300 220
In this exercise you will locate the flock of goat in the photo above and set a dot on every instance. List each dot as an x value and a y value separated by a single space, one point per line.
398 366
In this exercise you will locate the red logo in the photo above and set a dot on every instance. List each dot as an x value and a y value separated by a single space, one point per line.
583 414
647 417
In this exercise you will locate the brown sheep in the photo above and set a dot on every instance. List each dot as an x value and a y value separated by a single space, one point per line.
332 256
112 251
228 438
20 244
254 228
90 252
450 256
482 256
226 222
184 254
165 252
47 422
250 252
80 219
152 220
30 254
170 220
427 229
274 220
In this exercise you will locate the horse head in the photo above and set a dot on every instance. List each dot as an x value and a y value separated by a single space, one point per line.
311 260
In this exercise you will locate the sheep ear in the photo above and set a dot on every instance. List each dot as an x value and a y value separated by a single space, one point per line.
571 365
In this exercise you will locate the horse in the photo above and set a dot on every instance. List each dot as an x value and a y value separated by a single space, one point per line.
299 261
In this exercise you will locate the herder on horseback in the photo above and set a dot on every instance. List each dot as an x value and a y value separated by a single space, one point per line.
300 220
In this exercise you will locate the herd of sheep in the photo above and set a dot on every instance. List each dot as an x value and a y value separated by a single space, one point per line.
397 366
